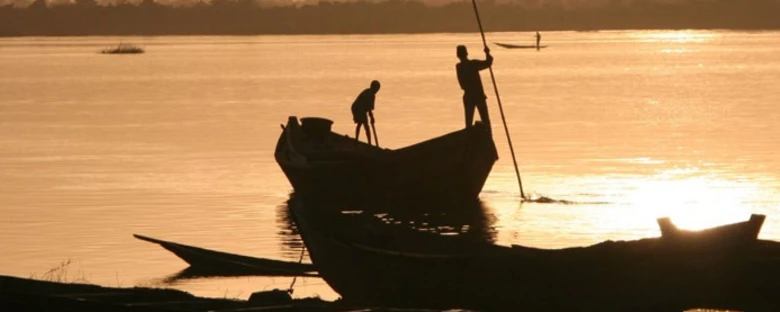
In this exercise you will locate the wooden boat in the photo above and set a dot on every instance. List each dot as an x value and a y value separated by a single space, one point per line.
369 265
519 46
210 262
320 163
734 235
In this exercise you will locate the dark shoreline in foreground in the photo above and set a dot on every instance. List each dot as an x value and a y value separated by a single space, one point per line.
22 294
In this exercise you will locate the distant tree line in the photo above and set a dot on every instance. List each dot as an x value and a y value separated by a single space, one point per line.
245 17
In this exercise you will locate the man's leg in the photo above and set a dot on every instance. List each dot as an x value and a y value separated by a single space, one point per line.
483 112
357 132
468 108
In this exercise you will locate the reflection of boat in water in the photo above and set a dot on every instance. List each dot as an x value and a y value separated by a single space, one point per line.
518 46
468 219
123 48
733 235
320 163
205 262
374 265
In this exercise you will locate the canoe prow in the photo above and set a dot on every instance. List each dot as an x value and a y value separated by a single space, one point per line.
149 239
220 263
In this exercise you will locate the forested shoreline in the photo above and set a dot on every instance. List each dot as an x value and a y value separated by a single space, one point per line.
245 17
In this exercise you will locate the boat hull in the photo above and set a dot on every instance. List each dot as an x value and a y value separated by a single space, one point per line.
453 166
643 275
519 46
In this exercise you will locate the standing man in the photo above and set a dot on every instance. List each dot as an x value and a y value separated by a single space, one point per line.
538 39
471 83
363 108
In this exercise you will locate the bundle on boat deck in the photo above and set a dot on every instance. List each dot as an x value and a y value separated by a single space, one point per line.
375 266
322 164
210 262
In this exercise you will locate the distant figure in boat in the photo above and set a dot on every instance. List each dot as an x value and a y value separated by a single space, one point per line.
363 108
538 40
471 83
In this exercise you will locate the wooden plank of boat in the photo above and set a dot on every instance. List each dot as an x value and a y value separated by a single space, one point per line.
323 164
205 261
518 46
733 235
646 275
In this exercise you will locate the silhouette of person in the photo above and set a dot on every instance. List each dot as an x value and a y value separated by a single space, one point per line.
538 39
363 108
471 83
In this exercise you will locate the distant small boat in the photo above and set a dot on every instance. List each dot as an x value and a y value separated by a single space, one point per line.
518 46
123 48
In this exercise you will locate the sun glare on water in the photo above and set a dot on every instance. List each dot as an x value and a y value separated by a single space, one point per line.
692 201
685 36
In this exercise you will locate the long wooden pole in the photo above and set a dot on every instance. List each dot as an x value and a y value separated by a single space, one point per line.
498 98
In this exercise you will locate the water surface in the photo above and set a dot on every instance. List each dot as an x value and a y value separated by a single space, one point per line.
177 143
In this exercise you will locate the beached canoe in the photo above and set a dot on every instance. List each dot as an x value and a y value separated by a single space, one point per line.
374 266
205 261
322 164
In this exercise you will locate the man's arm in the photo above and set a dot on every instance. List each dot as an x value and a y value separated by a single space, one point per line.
460 73
488 60
371 115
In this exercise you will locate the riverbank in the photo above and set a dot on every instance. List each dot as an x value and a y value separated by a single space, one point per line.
22 294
